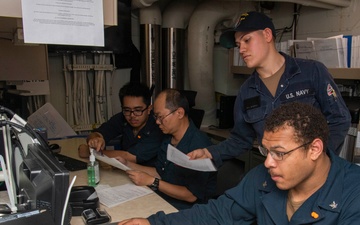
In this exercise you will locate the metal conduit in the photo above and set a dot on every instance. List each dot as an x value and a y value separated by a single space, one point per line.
150 35
175 21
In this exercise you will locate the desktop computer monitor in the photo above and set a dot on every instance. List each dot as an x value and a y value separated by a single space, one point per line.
43 183
36 177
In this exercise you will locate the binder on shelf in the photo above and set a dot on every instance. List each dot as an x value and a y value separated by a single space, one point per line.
349 46
334 52
304 49
331 52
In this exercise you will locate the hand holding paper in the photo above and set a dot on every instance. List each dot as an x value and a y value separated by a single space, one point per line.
111 161
179 158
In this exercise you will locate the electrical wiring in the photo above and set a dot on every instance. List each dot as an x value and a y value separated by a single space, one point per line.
293 25
97 93
91 107
79 99
86 95
75 113
109 85
102 89
83 110
67 90
88 91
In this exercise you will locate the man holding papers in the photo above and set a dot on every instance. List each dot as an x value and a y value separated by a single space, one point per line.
180 186
135 127
277 79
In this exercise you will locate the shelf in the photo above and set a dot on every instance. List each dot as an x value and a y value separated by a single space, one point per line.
345 73
337 73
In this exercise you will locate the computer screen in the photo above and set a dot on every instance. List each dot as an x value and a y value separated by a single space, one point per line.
43 183
37 180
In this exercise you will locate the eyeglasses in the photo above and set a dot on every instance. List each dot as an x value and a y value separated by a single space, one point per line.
160 118
136 112
278 156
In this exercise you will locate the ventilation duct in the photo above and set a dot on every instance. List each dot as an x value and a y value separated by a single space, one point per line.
175 20
325 4
150 33
138 4
201 45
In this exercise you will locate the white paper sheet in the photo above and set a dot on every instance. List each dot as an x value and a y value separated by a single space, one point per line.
110 161
47 117
69 22
113 196
179 158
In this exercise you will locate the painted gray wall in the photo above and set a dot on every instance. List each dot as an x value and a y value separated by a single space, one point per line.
313 22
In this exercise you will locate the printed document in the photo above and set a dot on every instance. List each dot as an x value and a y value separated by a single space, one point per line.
70 22
114 196
110 161
179 158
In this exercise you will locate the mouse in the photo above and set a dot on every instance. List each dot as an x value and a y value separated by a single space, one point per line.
55 148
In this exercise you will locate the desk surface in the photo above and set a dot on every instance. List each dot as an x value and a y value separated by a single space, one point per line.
216 133
220 134
140 207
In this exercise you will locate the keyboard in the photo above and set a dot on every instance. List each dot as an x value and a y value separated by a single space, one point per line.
71 164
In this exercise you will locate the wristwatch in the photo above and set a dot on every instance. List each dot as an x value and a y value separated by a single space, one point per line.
155 185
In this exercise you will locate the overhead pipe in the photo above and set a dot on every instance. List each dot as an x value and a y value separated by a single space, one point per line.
150 39
176 17
325 4
339 3
138 4
201 45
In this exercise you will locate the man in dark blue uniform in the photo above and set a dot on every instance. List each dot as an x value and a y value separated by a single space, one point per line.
140 136
180 186
277 79
299 183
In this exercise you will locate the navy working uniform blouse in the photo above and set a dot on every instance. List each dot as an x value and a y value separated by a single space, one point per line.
201 184
258 199
145 145
303 80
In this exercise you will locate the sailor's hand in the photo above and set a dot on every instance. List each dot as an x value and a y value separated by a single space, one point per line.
201 153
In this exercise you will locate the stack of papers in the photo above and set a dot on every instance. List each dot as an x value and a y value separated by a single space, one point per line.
341 51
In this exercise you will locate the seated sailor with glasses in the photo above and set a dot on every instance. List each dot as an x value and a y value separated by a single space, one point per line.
140 136
300 182
179 186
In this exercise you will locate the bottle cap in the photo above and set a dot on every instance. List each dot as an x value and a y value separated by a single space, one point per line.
92 156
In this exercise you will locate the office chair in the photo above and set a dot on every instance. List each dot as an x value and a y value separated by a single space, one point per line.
196 115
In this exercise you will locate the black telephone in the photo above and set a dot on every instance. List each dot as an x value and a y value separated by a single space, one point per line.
93 217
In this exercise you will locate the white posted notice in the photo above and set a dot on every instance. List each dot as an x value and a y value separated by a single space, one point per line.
67 22
179 158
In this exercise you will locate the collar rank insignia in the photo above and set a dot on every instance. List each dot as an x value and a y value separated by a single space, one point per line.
264 184
333 205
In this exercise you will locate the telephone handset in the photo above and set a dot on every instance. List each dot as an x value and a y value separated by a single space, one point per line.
93 217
